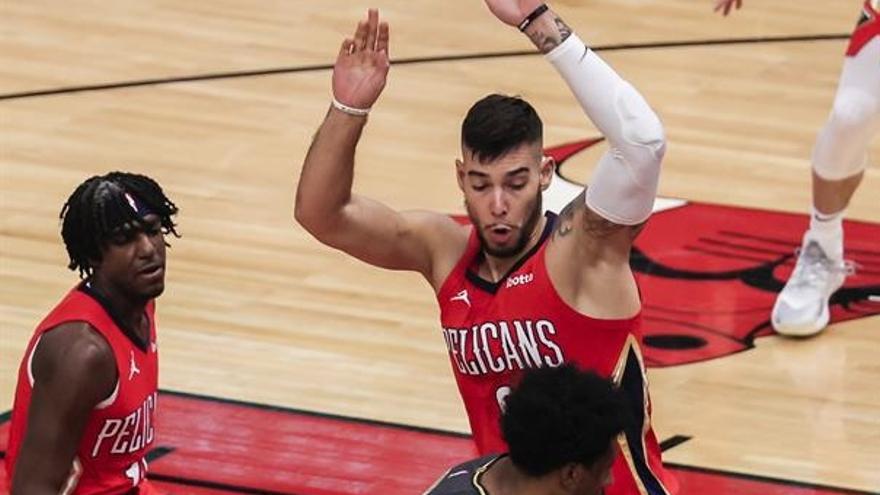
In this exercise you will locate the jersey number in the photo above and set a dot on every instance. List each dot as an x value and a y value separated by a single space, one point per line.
501 394
135 473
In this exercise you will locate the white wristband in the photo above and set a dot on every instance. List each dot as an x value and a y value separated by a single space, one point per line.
357 112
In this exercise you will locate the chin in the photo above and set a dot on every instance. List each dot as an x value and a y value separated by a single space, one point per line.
153 291
502 252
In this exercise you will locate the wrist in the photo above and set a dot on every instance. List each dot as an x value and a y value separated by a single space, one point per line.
338 106
547 31
539 11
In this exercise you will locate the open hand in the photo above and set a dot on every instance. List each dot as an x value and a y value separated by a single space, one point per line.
361 67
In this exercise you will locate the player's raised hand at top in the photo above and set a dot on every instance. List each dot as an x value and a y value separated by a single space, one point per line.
725 6
512 12
361 67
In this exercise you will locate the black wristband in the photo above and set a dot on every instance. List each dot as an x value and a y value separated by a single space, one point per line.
531 17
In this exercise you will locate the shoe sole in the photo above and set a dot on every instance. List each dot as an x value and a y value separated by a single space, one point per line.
805 330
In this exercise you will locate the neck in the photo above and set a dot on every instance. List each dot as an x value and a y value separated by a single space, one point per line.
130 311
504 478
495 267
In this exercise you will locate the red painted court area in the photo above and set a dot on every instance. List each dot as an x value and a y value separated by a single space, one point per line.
212 446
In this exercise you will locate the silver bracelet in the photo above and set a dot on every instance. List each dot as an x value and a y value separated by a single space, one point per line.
357 112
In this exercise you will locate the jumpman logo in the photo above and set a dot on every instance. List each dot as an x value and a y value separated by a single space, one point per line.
461 296
133 369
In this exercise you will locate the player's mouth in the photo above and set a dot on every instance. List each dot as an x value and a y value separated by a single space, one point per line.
152 272
500 234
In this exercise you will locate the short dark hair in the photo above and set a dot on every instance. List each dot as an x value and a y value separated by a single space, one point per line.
556 416
98 208
497 124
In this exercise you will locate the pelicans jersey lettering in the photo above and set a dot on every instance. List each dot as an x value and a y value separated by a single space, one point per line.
494 331
110 458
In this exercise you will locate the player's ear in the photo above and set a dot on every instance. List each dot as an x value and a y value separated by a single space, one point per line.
459 173
572 477
548 168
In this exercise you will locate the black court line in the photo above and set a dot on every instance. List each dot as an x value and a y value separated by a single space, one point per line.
768 479
339 417
673 441
417 60
667 444
158 453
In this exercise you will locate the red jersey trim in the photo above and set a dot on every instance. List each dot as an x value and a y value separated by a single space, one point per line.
461 266
867 28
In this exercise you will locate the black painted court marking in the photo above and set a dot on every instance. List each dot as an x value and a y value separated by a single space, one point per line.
673 441
158 453
416 60
665 445
317 414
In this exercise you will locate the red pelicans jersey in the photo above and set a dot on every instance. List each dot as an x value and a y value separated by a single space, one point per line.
494 331
866 29
120 430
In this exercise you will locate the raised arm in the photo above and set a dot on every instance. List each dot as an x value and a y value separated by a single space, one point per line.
597 228
73 369
325 204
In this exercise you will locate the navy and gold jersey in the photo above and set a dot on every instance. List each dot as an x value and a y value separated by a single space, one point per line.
464 479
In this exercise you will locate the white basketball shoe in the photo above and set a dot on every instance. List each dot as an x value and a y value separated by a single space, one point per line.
801 309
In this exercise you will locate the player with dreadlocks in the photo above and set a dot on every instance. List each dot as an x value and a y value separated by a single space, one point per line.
85 403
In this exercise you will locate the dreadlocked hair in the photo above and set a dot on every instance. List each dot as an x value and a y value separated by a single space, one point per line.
98 208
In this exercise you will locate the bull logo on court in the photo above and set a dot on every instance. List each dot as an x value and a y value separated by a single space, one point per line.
710 274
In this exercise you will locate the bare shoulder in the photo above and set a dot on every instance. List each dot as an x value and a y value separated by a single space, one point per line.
446 239
76 354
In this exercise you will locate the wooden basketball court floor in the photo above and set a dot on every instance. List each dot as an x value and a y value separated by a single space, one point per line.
255 310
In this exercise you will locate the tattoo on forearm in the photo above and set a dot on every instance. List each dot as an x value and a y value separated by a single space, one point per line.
547 38
564 30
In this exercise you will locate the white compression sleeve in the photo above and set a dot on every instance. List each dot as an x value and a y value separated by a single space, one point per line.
624 183
841 149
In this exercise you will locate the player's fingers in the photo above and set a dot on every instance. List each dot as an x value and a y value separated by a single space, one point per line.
360 36
382 39
372 28
345 48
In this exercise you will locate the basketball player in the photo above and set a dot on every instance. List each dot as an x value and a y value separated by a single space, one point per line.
84 412
561 425
516 290
838 164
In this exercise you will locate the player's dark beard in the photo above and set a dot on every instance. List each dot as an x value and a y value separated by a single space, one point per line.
525 233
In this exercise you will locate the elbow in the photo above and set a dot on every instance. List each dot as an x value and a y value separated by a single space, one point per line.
300 213
645 143
317 220
644 138
307 216
308 219
647 135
